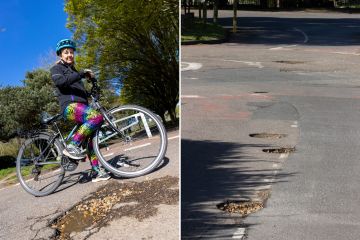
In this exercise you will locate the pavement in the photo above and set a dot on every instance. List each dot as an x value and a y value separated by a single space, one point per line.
26 217
292 73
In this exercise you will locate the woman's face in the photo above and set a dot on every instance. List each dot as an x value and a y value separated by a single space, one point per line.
67 55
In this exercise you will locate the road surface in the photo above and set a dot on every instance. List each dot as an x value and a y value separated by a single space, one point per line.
294 73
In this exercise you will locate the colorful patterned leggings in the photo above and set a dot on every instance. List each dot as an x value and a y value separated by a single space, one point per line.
90 121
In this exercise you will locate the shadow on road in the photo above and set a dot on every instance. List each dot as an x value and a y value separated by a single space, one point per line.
282 30
73 179
216 171
85 177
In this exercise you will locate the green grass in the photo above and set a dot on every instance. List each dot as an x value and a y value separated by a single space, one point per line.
197 30
4 173
8 154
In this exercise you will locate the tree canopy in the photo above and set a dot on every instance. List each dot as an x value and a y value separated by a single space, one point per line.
20 107
133 45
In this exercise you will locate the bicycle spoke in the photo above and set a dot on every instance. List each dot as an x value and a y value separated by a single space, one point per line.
138 145
38 169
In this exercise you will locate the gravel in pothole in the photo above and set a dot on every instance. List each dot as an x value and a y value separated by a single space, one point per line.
280 150
116 200
267 135
244 208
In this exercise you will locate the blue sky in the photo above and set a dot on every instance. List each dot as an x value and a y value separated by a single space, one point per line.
29 31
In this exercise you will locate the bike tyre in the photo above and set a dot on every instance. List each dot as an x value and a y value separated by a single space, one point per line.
162 148
22 179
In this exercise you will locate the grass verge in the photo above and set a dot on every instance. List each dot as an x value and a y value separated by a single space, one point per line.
196 30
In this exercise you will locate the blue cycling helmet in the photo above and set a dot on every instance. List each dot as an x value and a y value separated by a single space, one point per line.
65 43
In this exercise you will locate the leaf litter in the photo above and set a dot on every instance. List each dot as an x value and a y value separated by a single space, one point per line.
116 200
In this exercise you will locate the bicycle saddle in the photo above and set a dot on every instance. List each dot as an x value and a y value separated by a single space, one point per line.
46 118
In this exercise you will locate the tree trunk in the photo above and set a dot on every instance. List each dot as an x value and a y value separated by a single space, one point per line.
216 5
235 16
200 7
263 3
205 11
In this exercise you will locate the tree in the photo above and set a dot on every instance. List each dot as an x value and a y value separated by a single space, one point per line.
20 107
235 3
134 43
216 10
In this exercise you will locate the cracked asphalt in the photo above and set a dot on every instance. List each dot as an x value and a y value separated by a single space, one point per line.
293 73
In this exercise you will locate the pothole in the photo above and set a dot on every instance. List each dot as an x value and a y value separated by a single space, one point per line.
290 62
244 208
267 135
116 200
279 150
260 92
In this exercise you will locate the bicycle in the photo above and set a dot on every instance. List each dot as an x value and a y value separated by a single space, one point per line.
132 142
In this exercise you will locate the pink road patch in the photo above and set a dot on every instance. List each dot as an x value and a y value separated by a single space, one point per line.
235 116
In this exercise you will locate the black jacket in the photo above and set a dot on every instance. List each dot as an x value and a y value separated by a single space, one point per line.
68 85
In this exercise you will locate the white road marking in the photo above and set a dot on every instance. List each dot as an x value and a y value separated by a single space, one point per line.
275 165
190 66
170 138
283 155
239 233
136 147
306 38
283 48
253 64
108 155
31 179
294 126
347 53
191 96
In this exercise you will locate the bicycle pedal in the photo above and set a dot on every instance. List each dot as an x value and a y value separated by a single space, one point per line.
69 164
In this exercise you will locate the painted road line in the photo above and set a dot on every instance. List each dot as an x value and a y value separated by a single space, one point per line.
306 38
190 66
283 48
253 64
136 147
239 233
275 165
347 53
31 179
171 138
283 155
108 155
191 96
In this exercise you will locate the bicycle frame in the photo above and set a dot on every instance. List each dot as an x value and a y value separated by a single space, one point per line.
43 152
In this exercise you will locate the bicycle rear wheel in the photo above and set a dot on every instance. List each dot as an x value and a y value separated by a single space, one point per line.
38 165
137 147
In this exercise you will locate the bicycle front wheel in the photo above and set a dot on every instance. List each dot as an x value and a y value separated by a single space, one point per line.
38 165
137 147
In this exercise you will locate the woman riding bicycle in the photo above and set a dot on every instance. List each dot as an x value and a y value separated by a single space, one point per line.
72 98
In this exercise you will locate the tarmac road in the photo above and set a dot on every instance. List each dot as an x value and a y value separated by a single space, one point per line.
26 217
294 73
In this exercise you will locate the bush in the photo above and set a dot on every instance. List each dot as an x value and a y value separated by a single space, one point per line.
8 153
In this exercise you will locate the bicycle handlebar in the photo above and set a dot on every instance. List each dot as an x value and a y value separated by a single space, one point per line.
95 89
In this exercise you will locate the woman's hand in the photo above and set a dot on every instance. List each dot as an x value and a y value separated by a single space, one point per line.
89 74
